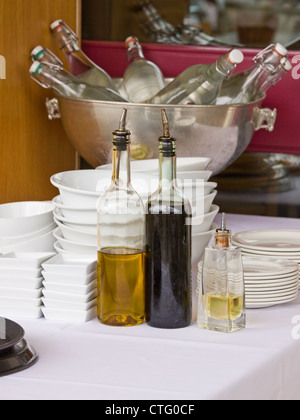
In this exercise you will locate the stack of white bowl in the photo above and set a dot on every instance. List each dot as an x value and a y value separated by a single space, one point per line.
26 227
70 289
21 284
76 207
193 178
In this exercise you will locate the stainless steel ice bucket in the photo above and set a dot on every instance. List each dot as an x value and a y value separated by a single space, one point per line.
220 132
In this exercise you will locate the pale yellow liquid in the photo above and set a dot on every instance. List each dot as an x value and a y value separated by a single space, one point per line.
223 307
121 287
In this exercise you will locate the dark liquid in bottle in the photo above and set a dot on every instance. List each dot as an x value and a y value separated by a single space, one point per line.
168 270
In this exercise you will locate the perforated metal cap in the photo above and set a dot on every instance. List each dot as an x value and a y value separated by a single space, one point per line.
236 56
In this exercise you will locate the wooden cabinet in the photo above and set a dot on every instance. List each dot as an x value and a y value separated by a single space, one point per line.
32 148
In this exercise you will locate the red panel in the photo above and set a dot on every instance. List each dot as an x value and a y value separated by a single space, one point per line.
173 59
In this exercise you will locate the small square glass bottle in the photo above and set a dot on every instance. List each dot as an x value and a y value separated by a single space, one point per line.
222 290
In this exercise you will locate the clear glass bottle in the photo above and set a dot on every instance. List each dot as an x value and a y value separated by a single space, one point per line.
222 292
65 84
245 86
199 84
121 242
168 245
142 78
80 64
44 55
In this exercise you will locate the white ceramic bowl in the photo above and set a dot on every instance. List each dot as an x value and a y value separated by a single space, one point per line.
75 247
152 165
71 288
194 176
69 279
203 204
23 218
61 304
203 223
76 235
195 190
200 242
77 214
83 188
43 243
4 242
82 227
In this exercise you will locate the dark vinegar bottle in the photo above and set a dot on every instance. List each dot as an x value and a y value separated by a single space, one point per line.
168 238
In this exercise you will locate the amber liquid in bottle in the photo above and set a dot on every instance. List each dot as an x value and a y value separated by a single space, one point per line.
168 265
121 286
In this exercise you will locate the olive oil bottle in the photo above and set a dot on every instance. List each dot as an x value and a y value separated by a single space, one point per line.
121 236
168 243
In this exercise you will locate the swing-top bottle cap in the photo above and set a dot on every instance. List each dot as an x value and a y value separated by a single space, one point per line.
286 64
236 56
54 25
131 40
35 68
37 52
280 50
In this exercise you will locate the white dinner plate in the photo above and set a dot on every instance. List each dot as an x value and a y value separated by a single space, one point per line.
271 295
271 299
260 267
284 277
271 286
269 240
268 254
276 254
261 305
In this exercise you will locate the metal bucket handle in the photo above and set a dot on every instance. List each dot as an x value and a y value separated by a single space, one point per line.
264 118
52 106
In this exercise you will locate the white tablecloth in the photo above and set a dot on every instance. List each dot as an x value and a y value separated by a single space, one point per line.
92 361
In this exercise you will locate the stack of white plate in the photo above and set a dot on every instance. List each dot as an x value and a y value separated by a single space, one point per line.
70 289
21 284
26 227
270 281
277 243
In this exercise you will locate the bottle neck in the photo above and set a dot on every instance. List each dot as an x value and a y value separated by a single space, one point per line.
58 79
121 166
272 80
258 77
167 165
65 40
220 70
135 53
